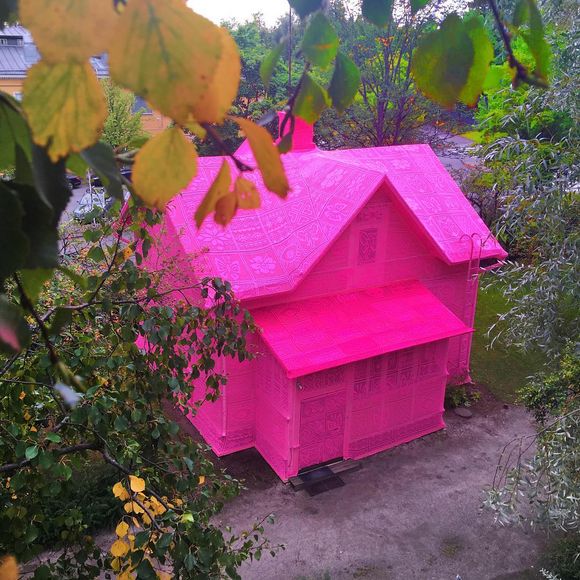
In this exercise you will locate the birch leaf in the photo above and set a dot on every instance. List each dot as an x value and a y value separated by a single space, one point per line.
219 188
65 107
167 54
267 156
69 30
246 193
221 92
155 180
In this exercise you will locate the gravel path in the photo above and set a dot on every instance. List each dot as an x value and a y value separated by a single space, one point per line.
410 513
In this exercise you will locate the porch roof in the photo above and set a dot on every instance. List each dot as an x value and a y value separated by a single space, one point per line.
319 333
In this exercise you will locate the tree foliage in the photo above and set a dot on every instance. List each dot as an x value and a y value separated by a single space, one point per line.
123 125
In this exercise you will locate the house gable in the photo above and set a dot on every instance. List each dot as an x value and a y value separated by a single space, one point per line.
269 251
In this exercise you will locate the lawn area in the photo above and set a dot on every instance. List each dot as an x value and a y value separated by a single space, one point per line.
503 370
475 136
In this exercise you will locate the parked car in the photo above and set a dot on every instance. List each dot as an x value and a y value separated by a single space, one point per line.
73 180
96 180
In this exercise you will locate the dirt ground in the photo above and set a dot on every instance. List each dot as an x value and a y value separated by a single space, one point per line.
413 512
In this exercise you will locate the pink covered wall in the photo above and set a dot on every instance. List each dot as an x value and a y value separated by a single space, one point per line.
382 245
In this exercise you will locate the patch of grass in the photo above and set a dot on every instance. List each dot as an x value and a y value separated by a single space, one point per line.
450 547
475 136
502 369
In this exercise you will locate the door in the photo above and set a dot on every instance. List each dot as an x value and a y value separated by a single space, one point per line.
321 428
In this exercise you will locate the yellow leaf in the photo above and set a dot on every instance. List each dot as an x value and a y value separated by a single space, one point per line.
22 395
119 548
69 30
9 568
146 519
167 53
267 156
137 484
27 416
225 209
120 491
248 196
116 564
122 529
163 167
201 479
65 107
219 188
218 98
33 429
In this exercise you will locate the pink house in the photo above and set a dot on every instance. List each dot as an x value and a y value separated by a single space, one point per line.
364 284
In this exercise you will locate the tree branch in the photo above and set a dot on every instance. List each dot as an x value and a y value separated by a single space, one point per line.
9 467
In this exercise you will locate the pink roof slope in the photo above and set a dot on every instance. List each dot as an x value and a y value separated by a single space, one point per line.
270 250
320 333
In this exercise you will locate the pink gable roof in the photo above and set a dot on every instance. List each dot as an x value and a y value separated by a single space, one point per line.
433 199
270 250
321 333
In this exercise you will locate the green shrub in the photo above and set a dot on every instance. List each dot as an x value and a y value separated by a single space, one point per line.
461 397
555 393
563 558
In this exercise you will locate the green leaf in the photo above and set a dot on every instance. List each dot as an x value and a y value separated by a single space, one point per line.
521 13
417 5
50 181
33 281
101 158
269 63
312 99
442 61
11 234
482 57
495 75
14 330
72 275
54 437
285 143
536 40
13 131
379 12
121 424
31 452
77 164
145 571
38 227
344 83
320 41
305 7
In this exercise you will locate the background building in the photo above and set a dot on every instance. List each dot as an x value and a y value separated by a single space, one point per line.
18 53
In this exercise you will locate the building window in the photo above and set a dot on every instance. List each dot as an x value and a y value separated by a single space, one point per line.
367 246
140 106
10 41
